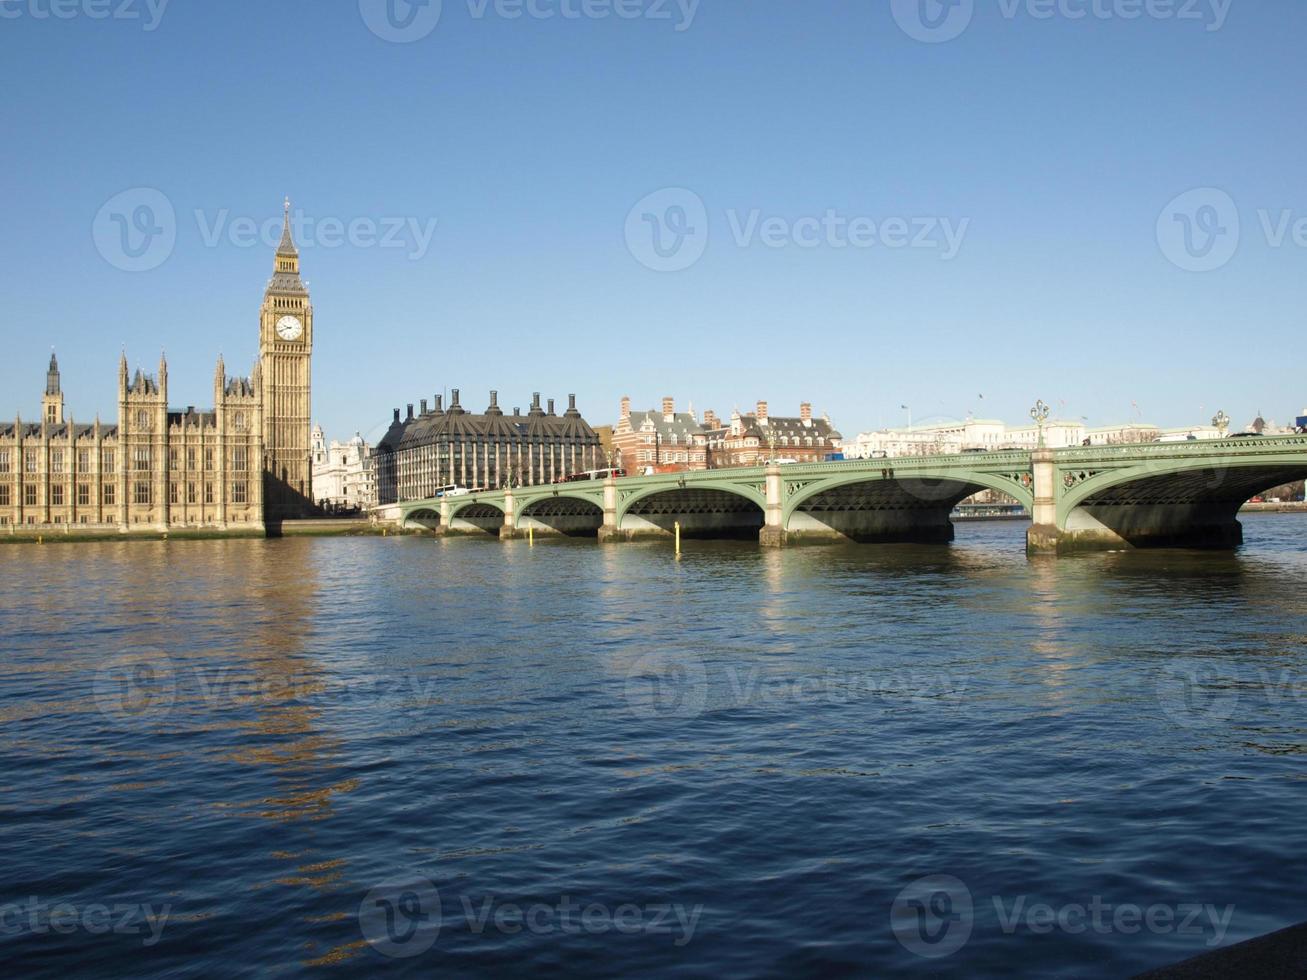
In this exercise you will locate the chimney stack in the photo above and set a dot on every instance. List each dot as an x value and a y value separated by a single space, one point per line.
669 409
710 420
762 412
805 411
424 406
440 400
626 407
551 407
410 411
396 415
494 399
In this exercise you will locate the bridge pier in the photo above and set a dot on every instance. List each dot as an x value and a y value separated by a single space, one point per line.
1044 535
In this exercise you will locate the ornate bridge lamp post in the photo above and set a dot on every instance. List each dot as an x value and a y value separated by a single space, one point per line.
771 446
1040 414
1222 422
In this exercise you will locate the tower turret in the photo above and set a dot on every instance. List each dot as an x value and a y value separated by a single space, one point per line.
52 402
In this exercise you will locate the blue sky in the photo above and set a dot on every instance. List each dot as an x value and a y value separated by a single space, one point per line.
1056 148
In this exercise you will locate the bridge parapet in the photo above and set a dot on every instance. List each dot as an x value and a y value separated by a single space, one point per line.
1081 498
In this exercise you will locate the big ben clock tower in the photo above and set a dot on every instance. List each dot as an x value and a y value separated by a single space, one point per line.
285 352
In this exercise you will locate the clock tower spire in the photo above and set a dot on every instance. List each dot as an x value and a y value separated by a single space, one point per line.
285 354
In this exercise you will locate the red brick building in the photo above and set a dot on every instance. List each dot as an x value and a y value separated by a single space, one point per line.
669 438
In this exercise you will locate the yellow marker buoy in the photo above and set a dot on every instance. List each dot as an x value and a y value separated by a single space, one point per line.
678 538
531 536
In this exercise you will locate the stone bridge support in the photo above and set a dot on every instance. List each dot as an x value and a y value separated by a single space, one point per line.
1154 495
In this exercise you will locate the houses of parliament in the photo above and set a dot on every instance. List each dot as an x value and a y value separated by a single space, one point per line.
241 466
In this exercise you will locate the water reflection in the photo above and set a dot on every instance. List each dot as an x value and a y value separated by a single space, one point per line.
479 714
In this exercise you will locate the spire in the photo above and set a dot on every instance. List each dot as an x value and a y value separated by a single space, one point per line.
52 376
287 246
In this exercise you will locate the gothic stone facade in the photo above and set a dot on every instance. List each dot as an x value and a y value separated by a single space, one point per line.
161 468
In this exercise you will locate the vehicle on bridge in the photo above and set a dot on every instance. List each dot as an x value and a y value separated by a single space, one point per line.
590 475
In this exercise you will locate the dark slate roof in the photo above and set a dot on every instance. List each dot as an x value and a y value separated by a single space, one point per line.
33 430
682 425
193 419
781 426
456 424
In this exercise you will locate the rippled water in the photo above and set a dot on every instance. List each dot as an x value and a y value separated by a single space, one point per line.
601 759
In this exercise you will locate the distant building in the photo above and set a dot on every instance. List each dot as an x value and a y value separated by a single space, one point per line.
652 438
343 476
441 447
988 434
671 438
236 466
751 440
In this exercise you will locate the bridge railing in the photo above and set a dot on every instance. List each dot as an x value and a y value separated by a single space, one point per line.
1251 446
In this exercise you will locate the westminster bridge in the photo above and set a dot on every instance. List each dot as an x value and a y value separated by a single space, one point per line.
1094 498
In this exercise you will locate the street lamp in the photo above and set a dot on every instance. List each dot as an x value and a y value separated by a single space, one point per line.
1222 422
1040 414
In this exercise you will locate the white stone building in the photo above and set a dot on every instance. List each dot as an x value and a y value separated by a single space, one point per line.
343 474
987 434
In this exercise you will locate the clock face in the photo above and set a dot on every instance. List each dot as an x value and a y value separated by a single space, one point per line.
289 328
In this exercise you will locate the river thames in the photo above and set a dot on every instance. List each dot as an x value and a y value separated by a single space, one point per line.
460 757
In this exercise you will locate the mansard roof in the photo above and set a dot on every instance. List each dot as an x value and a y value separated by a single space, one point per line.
681 426
456 424
781 426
